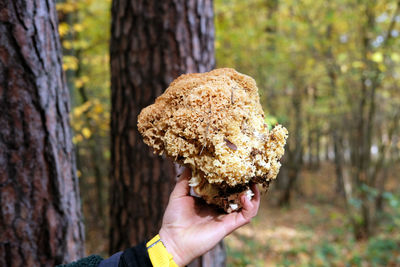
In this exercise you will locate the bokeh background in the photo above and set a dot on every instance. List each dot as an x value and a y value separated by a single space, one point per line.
326 70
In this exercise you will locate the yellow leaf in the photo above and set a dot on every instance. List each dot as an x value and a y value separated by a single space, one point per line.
66 7
86 132
78 27
67 44
78 83
377 57
85 79
77 139
82 108
82 44
98 108
358 64
381 67
395 57
81 81
63 28
70 63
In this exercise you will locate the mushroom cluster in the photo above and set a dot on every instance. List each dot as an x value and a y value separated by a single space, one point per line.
213 123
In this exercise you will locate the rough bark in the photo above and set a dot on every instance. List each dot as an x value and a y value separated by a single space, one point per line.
40 218
152 43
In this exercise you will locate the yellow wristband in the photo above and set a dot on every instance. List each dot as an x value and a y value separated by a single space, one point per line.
158 254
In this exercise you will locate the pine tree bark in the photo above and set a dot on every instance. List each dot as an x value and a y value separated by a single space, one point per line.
40 217
152 43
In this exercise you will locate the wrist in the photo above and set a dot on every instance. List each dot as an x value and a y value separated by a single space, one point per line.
171 247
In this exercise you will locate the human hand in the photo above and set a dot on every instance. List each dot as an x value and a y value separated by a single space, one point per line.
190 227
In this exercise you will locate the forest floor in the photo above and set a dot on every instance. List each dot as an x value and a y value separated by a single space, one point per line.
313 231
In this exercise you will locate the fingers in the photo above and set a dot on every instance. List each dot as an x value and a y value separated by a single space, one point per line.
256 197
249 210
250 207
185 174
182 186
233 221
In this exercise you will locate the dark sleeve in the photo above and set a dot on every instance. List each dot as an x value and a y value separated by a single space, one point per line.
111 261
91 261
135 257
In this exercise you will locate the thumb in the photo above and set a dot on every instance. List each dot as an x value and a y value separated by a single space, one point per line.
182 186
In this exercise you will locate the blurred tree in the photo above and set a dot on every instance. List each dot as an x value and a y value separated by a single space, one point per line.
329 72
85 45
364 171
294 147
41 220
152 43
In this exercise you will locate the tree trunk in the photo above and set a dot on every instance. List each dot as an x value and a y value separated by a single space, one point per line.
339 160
294 147
152 43
40 218
285 199
317 158
310 158
213 258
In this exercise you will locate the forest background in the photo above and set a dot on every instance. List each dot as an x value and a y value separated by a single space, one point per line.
326 70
